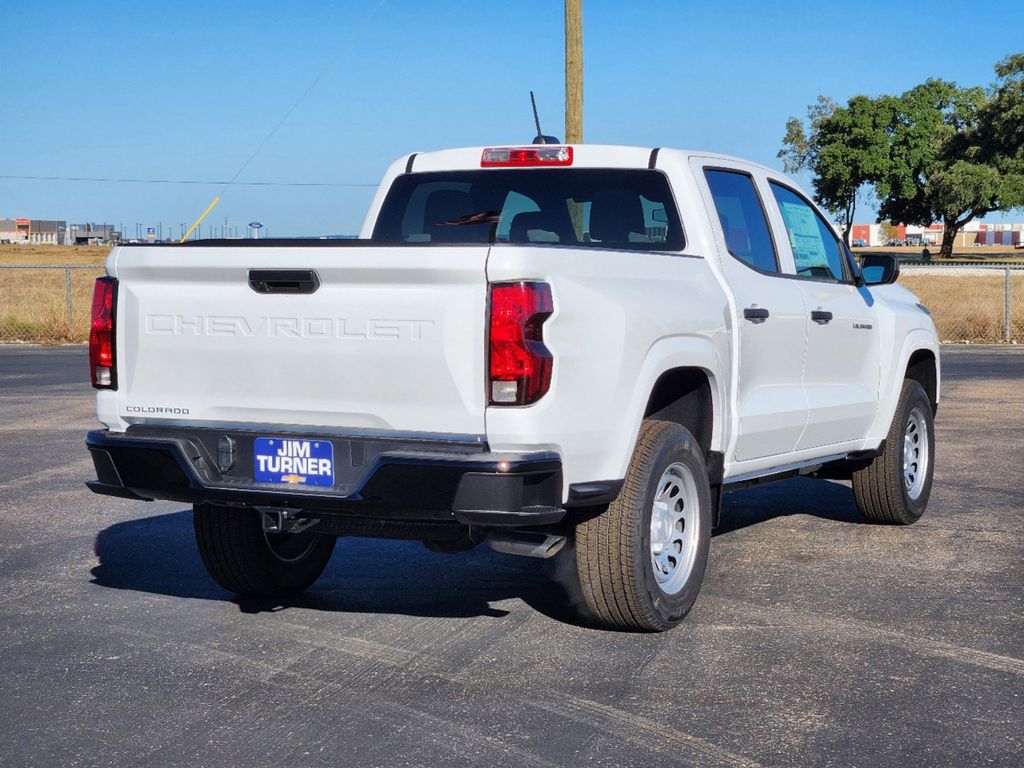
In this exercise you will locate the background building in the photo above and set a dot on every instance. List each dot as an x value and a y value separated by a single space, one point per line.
92 234
973 233
9 231
35 231
47 232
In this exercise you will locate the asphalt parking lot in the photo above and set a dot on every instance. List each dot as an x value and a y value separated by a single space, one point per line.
817 640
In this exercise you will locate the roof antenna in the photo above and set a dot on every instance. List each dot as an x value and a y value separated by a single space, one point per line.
540 138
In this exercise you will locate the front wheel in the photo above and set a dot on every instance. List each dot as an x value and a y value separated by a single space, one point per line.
244 559
640 563
895 486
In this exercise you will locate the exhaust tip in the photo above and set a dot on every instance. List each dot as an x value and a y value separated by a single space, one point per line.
526 543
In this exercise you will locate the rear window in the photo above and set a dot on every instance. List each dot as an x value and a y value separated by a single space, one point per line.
594 208
743 220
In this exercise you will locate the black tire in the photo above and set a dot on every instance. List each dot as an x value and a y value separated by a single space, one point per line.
880 488
240 557
614 566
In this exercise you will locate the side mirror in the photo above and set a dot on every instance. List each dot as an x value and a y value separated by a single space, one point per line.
880 268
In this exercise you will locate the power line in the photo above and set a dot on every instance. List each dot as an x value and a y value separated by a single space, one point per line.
345 43
284 117
186 181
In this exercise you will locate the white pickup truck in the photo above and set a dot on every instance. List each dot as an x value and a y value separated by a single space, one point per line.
538 347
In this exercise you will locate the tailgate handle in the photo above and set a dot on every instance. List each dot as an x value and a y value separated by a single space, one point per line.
284 280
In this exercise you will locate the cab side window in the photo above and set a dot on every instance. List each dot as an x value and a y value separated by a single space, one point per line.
816 251
743 220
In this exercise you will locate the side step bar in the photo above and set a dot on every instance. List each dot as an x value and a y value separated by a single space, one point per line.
784 472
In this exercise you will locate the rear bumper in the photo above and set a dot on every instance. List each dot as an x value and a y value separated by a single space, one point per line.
376 477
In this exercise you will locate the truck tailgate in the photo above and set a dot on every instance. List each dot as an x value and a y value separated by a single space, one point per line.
393 339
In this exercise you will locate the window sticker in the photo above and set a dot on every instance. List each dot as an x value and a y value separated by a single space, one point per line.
804 236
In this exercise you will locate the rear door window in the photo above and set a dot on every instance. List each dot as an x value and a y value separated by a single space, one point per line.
742 218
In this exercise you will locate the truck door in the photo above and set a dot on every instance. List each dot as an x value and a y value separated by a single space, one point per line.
841 371
770 320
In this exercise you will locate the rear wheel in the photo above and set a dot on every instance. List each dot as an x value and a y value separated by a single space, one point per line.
640 563
241 557
894 488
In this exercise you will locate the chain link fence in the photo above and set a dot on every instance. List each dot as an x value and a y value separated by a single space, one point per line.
973 304
50 303
46 303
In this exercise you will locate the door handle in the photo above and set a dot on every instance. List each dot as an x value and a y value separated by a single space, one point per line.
755 314
284 280
821 317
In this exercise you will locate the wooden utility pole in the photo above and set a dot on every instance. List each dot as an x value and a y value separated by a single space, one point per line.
573 71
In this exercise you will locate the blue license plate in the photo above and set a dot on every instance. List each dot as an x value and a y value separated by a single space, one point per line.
293 462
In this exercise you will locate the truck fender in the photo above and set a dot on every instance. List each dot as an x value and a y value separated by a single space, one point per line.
665 355
892 381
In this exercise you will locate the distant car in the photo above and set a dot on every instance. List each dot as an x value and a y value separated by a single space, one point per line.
860 243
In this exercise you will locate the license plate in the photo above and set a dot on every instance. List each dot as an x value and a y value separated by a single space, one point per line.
293 462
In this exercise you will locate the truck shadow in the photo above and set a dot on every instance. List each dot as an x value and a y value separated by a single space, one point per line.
158 555
797 496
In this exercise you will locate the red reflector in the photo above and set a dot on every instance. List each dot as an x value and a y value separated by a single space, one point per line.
101 334
520 364
542 154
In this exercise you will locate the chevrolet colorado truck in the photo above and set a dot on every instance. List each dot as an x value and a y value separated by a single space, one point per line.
575 348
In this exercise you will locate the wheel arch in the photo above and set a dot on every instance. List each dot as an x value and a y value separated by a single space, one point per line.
922 367
918 358
682 380
683 395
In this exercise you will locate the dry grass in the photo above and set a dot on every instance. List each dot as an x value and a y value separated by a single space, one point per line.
971 309
53 254
33 305
33 302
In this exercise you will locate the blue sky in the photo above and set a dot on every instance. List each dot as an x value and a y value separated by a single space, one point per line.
188 90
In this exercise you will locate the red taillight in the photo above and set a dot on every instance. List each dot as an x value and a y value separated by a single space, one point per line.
101 335
541 154
520 364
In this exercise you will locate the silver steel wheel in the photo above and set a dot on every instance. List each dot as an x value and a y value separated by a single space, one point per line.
915 453
675 525
290 547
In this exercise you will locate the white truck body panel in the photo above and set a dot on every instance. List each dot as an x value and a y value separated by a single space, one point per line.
841 370
616 315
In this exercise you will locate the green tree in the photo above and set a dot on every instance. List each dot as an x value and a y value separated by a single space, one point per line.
944 163
844 148
1003 116
1002 124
